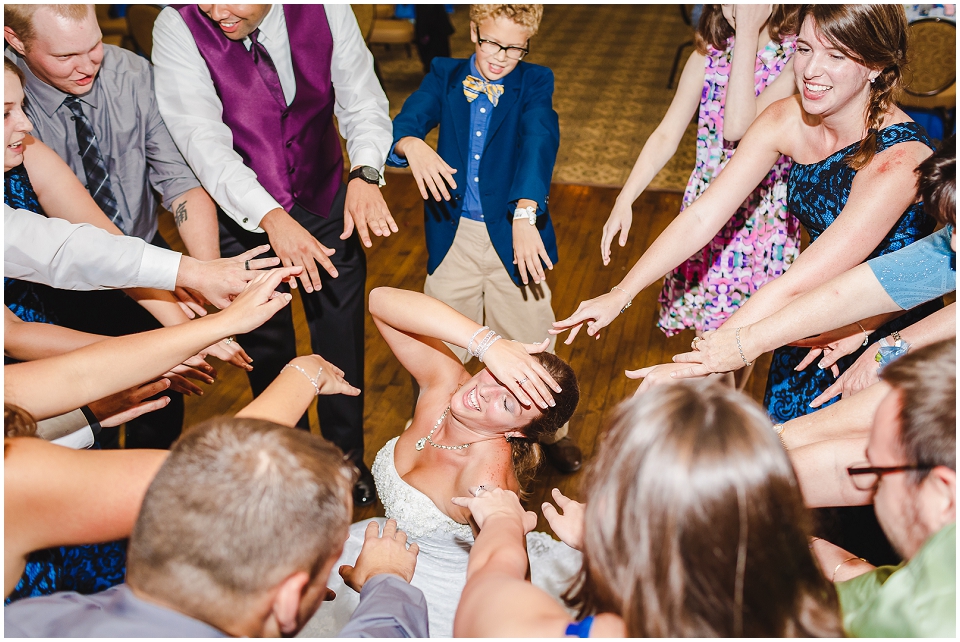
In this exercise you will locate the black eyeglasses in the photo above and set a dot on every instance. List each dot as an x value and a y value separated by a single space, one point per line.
492 48
867 477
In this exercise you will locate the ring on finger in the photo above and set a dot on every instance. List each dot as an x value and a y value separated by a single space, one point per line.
246 264
523 381
694 345
229 340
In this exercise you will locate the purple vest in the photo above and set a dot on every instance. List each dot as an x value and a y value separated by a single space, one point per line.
294 150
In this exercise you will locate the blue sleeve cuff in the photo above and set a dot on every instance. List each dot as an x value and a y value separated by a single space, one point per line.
393 160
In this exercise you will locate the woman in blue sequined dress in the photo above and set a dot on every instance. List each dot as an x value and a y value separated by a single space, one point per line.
852 185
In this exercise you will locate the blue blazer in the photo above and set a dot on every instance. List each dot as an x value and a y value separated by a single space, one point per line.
519 153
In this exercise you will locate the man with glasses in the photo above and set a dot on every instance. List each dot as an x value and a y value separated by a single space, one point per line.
486 187
911 473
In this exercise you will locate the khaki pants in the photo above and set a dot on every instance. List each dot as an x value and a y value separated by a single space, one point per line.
472 280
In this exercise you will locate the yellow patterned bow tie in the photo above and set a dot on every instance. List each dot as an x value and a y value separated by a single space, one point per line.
473 87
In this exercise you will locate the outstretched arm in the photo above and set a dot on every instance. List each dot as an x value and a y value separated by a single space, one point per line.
659 148
694 227
496 574
415 326
109 366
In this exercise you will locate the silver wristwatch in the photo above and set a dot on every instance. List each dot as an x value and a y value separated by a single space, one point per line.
529 212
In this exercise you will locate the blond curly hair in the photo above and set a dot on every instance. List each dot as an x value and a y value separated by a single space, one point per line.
525 15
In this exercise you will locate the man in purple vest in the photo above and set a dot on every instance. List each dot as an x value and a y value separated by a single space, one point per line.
249 93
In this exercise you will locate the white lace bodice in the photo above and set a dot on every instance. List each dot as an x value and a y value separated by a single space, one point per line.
442 562
416 514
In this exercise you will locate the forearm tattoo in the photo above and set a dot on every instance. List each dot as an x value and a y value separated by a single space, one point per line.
180 215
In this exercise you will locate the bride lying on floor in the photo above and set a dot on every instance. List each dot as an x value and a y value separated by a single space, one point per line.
467 432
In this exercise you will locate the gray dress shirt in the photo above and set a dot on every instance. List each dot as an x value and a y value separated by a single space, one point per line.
62 255
135 144
389 607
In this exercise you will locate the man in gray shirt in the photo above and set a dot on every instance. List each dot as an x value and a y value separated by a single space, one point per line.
95 106
237 535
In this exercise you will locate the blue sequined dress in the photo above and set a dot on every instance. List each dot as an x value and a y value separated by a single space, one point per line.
84 569
816 195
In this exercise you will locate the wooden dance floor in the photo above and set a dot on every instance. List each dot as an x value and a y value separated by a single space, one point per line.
400 261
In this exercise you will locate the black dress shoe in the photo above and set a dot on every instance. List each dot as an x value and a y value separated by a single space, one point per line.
364 491
564 455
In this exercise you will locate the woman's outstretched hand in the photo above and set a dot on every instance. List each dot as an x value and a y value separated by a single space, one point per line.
510 362
257 303
330 381
654 375
569 525
716 352
498 502
620 220
597 313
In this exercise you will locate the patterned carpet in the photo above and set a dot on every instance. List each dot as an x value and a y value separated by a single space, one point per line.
612 64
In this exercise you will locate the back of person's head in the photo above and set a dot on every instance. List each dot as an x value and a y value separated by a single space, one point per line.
937 183
875 36
19 17
239 506
926 381
526 452
525 15
695 526
17 422
714 30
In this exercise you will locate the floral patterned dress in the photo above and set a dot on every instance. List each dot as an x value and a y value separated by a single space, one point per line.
762 238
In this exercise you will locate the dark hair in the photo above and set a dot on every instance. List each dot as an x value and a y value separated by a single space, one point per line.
239 505
875 36
926 380
526 451
17 422
937 183
695 526
714 30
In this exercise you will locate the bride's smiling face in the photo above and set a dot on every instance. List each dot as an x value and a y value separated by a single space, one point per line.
484 403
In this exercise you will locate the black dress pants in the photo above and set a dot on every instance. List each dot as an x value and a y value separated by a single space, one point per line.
113 313
335 316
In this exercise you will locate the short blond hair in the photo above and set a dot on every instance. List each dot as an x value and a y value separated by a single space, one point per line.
525 15
19 17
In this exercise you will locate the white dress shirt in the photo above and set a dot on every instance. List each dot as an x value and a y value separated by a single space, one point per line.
193 112
60 254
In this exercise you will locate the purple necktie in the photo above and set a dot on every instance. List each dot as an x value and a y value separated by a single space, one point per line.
268 72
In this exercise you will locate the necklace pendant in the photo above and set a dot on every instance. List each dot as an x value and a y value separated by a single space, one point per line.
421 443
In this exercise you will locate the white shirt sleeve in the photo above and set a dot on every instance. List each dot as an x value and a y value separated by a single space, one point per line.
193 113
361 108
60 254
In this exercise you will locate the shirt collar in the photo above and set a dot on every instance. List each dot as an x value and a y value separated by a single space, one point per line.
476 72
272 27
50 98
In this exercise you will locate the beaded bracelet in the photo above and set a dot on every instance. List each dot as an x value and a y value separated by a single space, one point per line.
740 348
315 382
472 352
778 428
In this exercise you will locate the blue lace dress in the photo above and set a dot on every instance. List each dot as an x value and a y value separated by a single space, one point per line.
84 569
816 194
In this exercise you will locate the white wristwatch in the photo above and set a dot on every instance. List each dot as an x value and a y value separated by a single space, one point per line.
529 212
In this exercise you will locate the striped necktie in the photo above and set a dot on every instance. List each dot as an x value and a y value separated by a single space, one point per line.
473 87
94 169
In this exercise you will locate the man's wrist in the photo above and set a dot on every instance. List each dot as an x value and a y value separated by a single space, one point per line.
272 218
188 274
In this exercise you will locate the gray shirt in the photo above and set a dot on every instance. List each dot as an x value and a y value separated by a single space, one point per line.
389 607
135 144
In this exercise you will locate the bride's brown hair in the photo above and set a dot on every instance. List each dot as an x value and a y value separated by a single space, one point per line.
526 450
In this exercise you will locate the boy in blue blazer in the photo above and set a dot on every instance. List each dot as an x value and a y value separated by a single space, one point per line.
486 188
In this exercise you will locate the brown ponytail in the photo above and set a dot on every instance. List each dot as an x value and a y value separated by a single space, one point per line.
875 36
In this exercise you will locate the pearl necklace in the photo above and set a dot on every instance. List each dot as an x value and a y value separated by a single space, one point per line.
423 441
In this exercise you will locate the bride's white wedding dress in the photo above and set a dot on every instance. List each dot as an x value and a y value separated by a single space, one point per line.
442 563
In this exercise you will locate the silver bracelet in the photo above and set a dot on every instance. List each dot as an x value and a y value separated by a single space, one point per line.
866 337
315 382
483 351
483 343
482 328
740 348
629 303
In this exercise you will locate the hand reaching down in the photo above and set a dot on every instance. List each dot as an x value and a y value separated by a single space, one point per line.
386 553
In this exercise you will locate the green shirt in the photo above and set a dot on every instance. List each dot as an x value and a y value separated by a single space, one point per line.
915 599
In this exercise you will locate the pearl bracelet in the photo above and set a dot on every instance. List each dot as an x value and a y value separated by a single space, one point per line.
315 382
